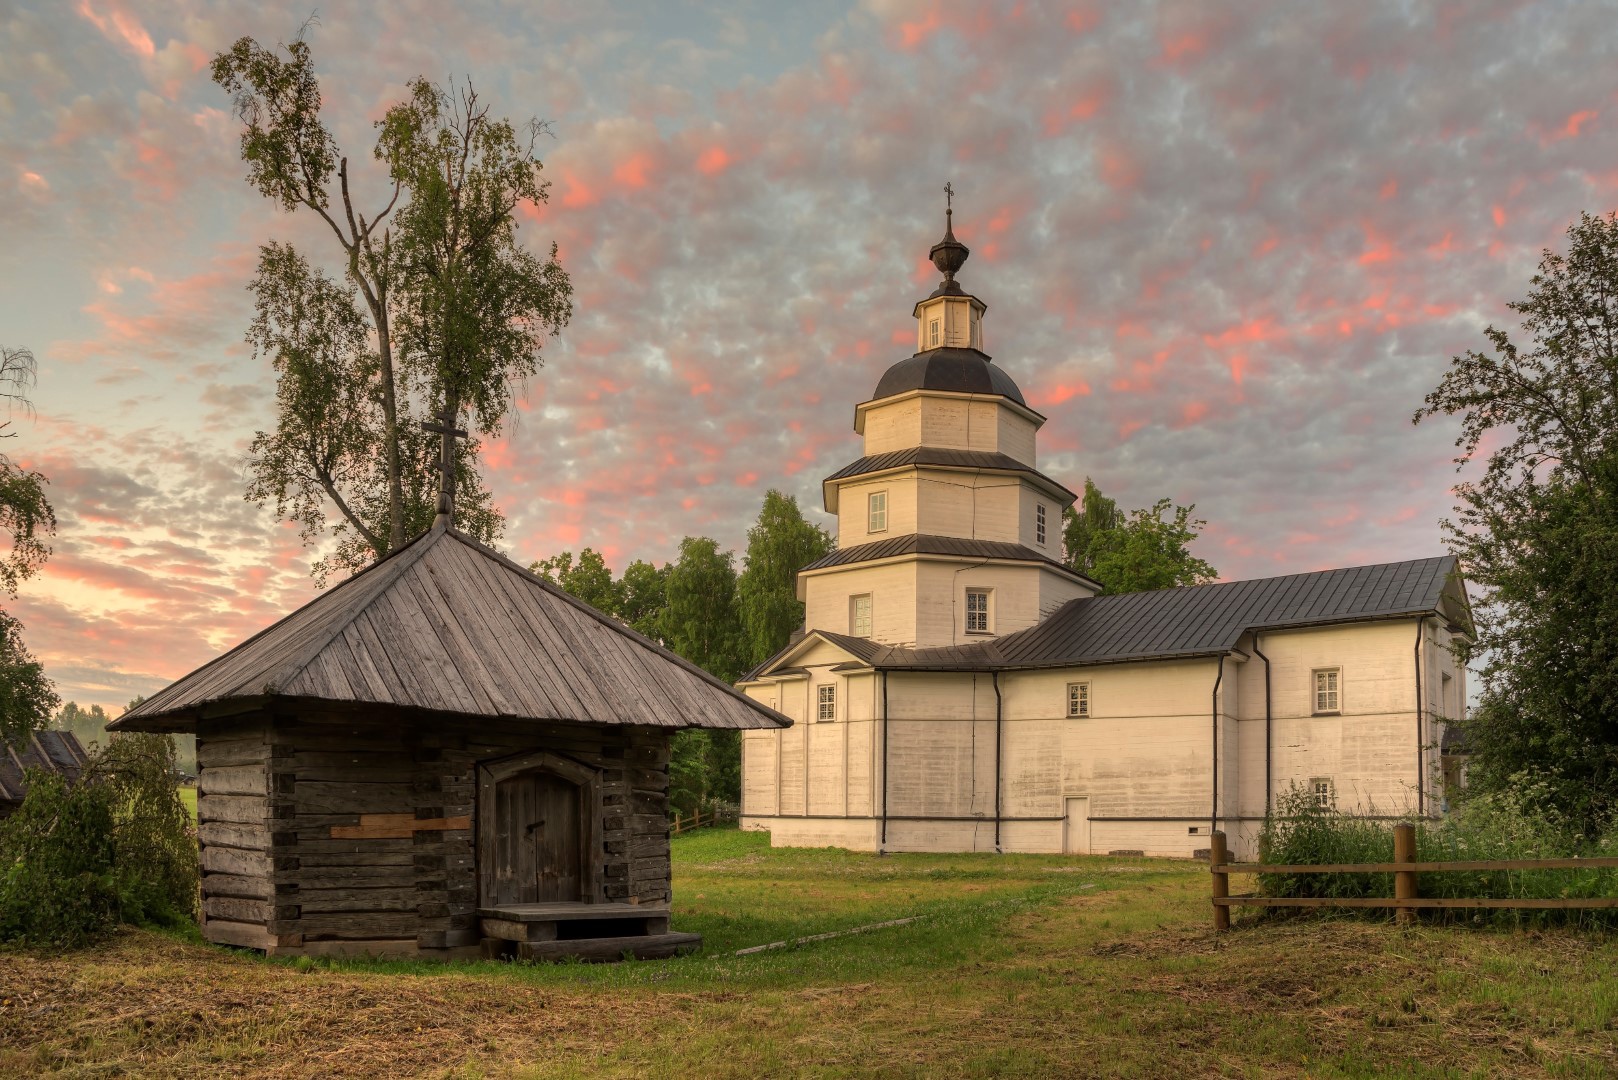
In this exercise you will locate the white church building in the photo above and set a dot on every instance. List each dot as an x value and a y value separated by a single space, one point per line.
958 688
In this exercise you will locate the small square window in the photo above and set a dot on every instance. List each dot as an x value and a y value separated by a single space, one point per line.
859 615
877 505
977 611
1328 695
1321 793
828 702
932 334
1039 524
1078 699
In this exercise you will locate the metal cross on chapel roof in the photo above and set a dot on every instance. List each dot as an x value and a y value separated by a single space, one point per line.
446 459
949 195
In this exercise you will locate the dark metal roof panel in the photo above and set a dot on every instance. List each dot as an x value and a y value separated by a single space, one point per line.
1199 620
961 371
927 544
945 457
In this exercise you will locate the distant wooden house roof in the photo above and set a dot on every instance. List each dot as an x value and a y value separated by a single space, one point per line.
53 751
448 625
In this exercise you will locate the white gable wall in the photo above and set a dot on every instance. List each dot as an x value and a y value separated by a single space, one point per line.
1143 759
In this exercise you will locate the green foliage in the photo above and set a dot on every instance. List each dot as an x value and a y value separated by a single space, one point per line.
1137 551
701 620
89 726
1538 532
75 860
27 697
642 596
440 307
777 547
589 579
1489 825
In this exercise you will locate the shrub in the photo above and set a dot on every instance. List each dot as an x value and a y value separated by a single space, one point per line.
1300 831
76 860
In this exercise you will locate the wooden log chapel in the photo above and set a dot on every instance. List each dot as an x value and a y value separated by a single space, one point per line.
442 754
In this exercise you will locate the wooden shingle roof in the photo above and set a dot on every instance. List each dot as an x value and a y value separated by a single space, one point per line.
53 751
448 625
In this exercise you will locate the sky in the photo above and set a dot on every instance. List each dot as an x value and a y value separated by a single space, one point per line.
1226 248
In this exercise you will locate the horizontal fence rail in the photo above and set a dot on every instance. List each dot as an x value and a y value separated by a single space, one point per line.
1405 900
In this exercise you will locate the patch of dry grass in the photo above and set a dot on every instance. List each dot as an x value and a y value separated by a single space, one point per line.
1016 971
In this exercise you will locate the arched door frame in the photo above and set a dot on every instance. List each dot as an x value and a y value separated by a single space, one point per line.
585 778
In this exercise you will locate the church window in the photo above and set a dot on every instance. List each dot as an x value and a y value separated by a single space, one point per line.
1039 524
828 702
1320 792
859 616
1328 691
877 504
977 611
932 334
1078 699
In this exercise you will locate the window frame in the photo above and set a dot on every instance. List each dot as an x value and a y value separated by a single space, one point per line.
826 703
1039 524
988 609
854 615
870 511
935 329
1082 706
1315 691
1323 797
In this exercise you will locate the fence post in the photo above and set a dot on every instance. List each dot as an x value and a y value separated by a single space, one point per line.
1404 881
1217 858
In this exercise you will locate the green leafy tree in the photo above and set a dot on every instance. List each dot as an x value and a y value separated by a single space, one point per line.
702 623
1142 550
588 579
643 596
1537 531
89 726
439 307
779 545
27 697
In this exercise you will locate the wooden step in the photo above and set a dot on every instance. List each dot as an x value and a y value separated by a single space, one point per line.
606 950
570 922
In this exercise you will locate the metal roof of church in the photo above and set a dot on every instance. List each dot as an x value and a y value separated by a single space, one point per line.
944 457
1200 620
448 625
961 371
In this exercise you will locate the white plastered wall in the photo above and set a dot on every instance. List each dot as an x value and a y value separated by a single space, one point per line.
891 586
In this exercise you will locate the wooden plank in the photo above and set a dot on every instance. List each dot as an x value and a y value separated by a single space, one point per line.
400 612
563 667
1457 866
247 888
1559 903
507 930
231 834
606 950
244 810
235 909
223 860
394 826
233 780
564 912
361 924
513 652
246 935
382 647
437 584
247 751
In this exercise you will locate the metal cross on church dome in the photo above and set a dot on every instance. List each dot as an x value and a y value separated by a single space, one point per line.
446 459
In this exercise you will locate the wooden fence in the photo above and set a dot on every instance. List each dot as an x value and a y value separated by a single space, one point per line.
695 821
1406 899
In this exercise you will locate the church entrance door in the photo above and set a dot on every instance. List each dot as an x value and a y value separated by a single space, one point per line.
537 821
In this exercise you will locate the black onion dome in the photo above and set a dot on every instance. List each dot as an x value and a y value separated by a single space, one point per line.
960 371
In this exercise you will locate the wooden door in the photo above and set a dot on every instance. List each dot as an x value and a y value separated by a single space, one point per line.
1076 828
537 839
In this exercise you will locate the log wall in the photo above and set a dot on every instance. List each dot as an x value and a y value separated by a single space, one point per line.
333 832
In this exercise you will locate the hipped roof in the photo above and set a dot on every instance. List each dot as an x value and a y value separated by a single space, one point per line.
448 625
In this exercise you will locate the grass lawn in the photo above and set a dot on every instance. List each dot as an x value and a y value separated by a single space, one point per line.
1023 965
188 795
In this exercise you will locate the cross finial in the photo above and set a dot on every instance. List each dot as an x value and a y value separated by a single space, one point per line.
949 197
446 459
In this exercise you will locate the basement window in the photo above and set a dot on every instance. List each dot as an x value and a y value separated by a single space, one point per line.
1328 697
1320 792
828 702
1078 699
977 611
